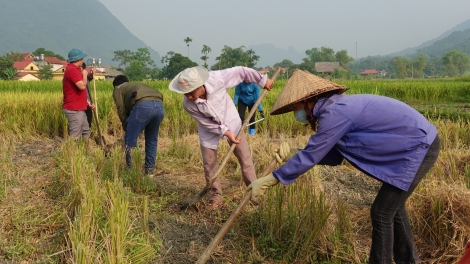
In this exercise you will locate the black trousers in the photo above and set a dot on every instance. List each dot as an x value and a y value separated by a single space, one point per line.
89 116
391 234
241 112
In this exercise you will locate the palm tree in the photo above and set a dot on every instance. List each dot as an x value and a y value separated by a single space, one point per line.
220 58
10 73
253 57
205 50
166 59
204 58
227 57
187 40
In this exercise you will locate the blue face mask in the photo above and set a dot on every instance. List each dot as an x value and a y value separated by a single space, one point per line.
301 116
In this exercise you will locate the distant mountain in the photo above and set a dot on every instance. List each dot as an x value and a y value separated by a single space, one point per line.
456 38
409 51
459 40
270 55
59 26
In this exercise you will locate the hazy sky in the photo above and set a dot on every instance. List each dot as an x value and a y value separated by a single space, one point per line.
379 27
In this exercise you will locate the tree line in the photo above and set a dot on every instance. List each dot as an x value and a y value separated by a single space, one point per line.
452 63
138 65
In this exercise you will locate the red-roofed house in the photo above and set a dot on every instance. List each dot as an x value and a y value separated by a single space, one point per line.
374 72
26 76
58 67
31 64
23 56
25 66
58 71
267 70
368 72
54 60
98 74
264 70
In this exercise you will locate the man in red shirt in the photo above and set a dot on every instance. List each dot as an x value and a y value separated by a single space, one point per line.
75 98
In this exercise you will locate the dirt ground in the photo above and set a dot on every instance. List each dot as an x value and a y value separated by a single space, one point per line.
185 233
27 207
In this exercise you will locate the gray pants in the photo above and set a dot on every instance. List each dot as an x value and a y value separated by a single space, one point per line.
78 123
243 154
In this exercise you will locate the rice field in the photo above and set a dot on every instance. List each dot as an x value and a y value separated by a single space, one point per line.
100 212
34 108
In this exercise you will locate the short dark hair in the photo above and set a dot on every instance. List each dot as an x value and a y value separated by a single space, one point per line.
83 66
120 79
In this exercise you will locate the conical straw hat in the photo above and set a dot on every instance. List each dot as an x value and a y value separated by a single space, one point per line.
300 86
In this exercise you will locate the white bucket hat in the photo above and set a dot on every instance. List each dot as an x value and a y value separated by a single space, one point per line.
189 80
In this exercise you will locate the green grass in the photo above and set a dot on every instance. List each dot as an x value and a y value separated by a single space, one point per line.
34 108
109 206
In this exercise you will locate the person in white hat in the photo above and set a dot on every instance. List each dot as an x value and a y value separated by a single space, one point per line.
207 101
382 137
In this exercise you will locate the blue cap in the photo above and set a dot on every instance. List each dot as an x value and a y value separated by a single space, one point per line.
75 55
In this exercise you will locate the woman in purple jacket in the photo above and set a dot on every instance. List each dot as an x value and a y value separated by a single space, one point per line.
380 136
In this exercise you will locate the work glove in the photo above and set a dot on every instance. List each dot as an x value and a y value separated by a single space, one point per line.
261 113
285 152
259 186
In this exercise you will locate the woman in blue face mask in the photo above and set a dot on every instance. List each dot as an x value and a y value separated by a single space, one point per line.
301 115
382 137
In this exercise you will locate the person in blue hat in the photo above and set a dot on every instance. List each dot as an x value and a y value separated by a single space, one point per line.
75 101
246 95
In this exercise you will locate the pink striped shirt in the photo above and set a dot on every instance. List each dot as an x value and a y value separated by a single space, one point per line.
217 113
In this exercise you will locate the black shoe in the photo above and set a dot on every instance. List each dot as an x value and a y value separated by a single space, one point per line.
149 173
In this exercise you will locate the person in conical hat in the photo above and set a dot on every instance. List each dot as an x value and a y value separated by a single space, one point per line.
382 137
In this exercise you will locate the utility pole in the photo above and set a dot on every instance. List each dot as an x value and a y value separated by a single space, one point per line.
356 50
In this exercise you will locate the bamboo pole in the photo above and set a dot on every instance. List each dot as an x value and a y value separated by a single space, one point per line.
226 226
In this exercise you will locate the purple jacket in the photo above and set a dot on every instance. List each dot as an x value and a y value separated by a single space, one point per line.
381 136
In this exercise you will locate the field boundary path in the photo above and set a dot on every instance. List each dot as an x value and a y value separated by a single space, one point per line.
31 227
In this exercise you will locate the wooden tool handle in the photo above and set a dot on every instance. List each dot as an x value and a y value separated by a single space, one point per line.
226 227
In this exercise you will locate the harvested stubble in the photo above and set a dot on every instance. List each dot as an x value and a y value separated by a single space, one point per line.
439 212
